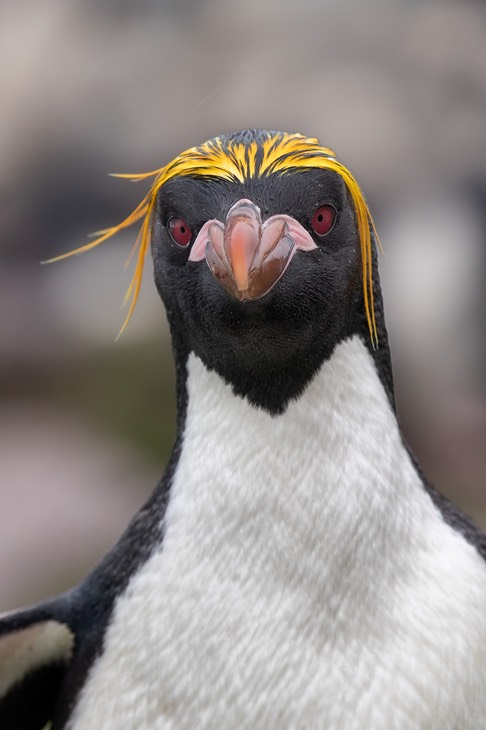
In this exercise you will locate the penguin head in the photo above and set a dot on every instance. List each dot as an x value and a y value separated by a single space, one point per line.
261 275
262 250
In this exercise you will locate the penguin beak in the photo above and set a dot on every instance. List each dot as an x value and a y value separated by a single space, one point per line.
246 256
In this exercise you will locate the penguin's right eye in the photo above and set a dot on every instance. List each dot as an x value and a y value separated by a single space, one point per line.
179 231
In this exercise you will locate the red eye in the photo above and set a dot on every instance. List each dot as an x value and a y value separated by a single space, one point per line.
179 231
323 219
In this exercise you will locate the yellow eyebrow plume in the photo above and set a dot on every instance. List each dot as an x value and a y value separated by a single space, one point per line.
236 161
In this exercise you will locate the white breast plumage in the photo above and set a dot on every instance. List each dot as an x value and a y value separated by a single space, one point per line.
305 580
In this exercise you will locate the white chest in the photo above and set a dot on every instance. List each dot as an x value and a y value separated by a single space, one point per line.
305 579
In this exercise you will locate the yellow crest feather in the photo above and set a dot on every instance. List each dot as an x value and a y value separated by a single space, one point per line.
237 161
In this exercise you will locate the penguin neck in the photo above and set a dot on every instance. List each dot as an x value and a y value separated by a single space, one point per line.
331 470
274 388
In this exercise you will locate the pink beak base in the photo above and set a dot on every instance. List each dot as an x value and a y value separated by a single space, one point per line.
247 257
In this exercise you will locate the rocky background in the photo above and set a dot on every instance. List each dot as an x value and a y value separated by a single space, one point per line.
396 87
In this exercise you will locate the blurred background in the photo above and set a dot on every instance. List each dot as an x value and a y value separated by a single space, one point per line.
87 87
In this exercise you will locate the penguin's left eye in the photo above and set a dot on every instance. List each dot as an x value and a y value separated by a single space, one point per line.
323 219
179 231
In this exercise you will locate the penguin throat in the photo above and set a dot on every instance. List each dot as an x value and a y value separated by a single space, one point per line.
271 381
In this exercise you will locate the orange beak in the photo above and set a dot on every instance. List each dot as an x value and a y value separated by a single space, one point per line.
247 258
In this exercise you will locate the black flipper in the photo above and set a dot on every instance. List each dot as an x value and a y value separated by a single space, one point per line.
36 646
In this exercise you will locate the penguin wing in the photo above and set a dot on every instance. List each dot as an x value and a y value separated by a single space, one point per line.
36 644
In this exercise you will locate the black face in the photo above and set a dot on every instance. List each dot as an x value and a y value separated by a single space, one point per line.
269 348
